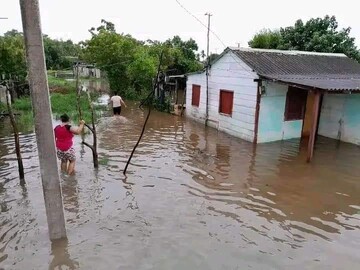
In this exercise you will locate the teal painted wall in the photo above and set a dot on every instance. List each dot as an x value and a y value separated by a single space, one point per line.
340 117
272 126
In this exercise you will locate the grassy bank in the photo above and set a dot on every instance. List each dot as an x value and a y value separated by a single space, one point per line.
60 104
59 85
63 100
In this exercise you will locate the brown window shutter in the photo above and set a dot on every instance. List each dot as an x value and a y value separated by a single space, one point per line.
195 95
226 102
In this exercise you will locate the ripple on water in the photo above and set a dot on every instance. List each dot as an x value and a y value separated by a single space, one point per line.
193 197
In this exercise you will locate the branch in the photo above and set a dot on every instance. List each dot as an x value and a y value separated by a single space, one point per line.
88 145
89 127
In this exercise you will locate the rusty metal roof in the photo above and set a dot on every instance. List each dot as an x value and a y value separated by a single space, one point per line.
327 71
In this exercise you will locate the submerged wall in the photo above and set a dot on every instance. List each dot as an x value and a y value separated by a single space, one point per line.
272 126
340 117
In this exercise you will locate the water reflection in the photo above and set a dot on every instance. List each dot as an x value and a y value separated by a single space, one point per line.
61 256
71 197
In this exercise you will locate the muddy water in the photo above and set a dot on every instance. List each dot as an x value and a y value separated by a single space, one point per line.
194 198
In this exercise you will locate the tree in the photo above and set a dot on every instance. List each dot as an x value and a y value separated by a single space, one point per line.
12 55
59 52
131 64
317 34
112 53
266 39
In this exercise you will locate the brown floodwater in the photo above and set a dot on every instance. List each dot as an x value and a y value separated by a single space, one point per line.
194 198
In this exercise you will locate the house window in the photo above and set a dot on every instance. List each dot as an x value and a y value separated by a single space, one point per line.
226 102
295 104
195 95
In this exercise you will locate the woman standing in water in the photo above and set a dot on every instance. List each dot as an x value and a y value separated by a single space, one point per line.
64 134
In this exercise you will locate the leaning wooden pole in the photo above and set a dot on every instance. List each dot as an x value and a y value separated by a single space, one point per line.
40 98
16 137
150 97
93 131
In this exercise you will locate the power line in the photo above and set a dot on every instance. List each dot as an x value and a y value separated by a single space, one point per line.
211 31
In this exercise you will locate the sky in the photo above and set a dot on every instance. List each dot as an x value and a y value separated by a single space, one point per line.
234 22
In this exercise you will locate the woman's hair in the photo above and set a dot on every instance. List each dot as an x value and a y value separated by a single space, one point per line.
64 118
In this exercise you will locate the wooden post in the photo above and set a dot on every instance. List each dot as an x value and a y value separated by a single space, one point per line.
315 118
16 136
43 119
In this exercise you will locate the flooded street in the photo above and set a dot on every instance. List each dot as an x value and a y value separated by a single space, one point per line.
194 198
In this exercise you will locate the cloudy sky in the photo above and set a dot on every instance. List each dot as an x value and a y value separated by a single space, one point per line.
233 21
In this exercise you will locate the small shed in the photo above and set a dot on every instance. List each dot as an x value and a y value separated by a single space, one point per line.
87 70
269 95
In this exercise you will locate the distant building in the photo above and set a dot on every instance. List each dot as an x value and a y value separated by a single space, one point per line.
87 70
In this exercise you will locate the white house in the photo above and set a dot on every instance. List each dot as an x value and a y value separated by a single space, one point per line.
270 95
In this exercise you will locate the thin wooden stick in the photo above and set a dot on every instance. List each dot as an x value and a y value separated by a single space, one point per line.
93 130
149 111
16 137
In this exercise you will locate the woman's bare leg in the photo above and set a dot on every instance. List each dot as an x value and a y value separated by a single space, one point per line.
63 166
71 168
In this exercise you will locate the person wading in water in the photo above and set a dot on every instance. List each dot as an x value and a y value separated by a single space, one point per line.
116 102
64 134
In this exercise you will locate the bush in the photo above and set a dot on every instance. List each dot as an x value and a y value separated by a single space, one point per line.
22 104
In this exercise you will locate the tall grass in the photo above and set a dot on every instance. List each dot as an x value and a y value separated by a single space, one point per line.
60 85
22 104
25 121
3 107
62 103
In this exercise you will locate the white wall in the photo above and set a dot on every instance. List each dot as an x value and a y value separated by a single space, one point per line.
340 117
228 73
272 126
3 94
196 113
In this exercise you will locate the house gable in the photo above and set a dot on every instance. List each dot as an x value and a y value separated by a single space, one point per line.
231 74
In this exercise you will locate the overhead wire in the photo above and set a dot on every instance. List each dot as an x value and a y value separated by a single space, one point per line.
217 37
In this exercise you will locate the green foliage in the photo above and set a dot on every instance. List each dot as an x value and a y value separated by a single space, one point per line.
22 104
317 34
60 54
131 64
266 39
12 55
26 121
162 106
3 107
104 160
61 85
60 104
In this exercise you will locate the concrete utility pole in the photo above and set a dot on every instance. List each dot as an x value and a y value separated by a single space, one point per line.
207 69
43 120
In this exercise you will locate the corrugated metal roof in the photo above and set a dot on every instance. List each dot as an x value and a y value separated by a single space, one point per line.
318 70
336 83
